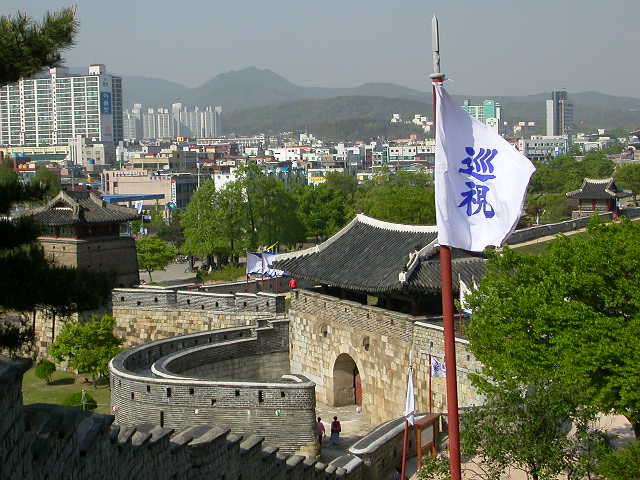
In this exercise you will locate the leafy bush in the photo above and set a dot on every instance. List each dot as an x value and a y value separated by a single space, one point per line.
225 274
87 346
44 370
81 399
622 464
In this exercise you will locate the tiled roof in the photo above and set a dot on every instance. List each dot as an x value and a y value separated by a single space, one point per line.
370 255
598 189
68 208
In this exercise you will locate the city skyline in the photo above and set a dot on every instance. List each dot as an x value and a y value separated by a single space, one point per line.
524 48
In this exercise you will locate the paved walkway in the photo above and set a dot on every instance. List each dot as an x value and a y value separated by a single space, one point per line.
175 272
354 427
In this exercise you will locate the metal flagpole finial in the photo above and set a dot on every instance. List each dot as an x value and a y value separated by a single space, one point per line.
435 47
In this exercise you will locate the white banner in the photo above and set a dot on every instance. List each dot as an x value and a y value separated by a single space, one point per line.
480 180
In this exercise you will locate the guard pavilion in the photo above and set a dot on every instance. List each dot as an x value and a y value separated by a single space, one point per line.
81 230
598 195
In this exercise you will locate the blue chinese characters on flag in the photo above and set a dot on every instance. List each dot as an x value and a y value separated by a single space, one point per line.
480 180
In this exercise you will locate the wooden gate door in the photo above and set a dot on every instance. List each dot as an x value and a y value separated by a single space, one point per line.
357 384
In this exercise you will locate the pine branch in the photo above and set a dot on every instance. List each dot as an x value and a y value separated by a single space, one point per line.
28 46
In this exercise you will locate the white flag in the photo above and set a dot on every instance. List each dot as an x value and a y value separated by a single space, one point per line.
438 369
480 180
410 404
138 206
464 293
267 262
254 263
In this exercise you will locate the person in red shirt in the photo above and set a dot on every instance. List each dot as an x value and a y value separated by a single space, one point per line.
335 431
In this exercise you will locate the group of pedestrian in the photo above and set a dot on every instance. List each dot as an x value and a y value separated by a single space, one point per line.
335 431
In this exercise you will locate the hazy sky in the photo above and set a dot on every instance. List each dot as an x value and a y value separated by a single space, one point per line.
488 47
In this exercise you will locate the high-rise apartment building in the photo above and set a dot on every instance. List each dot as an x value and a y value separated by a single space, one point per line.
559 114
54 107
179 121
489 113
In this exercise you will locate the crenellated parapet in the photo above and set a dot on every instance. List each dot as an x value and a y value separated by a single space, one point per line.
238 377
190 300
49 441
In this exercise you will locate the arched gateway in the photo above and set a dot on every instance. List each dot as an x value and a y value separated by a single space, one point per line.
347 387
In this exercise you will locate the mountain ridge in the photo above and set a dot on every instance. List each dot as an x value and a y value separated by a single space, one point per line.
254 87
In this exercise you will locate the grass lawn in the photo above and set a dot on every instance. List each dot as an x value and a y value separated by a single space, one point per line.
63 384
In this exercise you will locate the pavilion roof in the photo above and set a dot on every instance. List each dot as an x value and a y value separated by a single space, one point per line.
374 256
598 189
69 208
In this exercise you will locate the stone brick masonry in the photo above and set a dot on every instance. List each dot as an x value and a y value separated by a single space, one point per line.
186 387
52 442
380 342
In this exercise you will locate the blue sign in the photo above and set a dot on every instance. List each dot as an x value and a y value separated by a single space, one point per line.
105 103
171 205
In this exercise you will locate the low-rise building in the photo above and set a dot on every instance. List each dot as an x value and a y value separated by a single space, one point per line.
177 188
539 147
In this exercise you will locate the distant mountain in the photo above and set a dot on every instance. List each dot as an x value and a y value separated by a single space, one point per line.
152 91
266 95
247 88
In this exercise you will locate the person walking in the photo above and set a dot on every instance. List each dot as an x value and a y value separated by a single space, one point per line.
319 432
335 431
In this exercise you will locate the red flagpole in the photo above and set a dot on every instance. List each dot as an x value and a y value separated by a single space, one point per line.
405 447
430 394
449 333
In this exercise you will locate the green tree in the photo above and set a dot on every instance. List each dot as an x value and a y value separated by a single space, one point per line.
44 370
26 46
271 210
343 183
154 254
621 464
88 347
168 229
402 197
47 180
628 176
322 210
540 429
596 164
199 222
549 207
571 315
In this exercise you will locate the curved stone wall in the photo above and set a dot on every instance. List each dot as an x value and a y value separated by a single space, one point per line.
180 382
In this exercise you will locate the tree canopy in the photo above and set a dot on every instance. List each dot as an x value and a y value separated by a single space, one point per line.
571 315
154 254
87 346
27 46
628 176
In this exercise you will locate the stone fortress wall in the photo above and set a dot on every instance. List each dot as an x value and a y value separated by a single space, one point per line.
191 380
324 329
150 313
147 314
115 255
52 442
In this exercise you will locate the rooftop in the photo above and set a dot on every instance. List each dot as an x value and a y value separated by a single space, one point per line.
70 208
374 256
598 189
